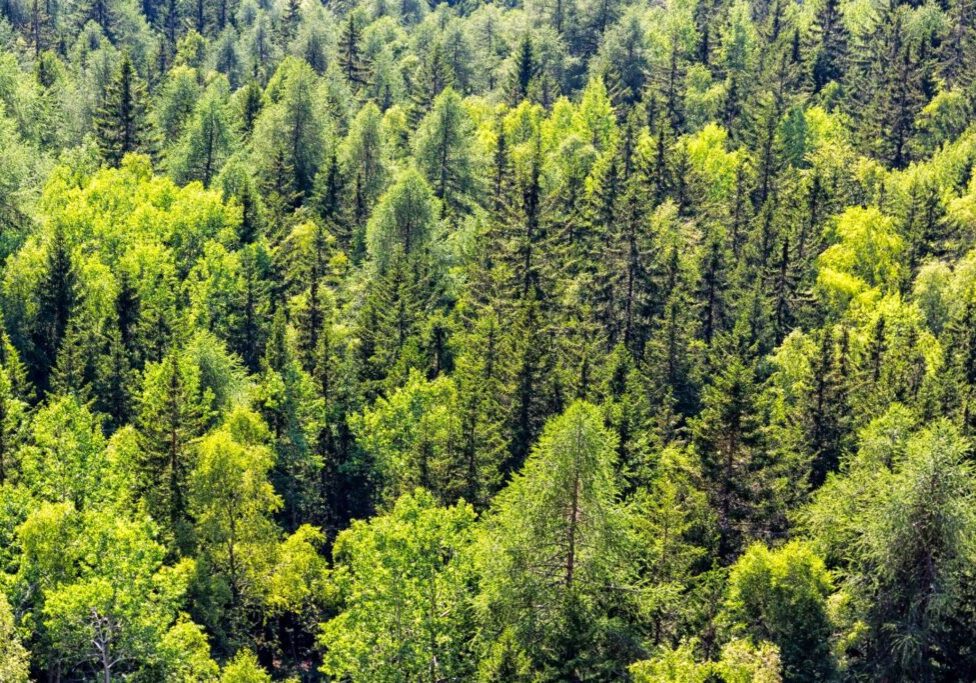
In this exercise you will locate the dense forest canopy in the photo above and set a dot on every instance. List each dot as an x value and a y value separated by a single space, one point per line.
385 341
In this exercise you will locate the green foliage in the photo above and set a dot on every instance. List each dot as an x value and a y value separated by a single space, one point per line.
529 341
13 656
554 549
122 123
780 596
401 579
741 661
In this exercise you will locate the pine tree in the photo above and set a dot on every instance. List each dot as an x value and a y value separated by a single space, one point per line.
827 419
121 123
73 373
329 199
58 296
443 153
553 581
173 411
114 381
729 440
830 57
432 77
956 50
289 406
101 12
354 64
252 306
524 71
889 87
529 360
251 102
711 296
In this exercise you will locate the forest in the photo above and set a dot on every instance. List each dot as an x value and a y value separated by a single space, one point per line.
489 341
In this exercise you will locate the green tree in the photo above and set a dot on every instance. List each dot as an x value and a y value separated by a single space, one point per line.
59 293
122 124
231 501
363 165
402 581
900 522
65 459
740 478
207 140
403 221
443 149
780 596
173 410
289 136
553 553
13 657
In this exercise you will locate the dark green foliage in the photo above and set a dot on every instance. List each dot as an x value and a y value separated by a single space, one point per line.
526 342
122 123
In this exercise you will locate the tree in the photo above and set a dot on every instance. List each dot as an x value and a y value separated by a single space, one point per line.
287 401
363 166
443 152
13 657
289 136
173 411
780 596
13 420
524 71
402 582
206 143
403 221
244 668
121 124
176 100
58 296
414 439
432 76
740 661
553 552
901 523
830 57
65 460
231 501
354 64
105 600
729 440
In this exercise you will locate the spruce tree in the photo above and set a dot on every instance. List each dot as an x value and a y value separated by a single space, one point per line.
59 294
353 63
121 123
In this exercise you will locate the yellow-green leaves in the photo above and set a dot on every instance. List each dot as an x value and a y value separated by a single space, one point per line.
741 661
403 221
714 166
13 657
402 578
781 595
414 436
865 261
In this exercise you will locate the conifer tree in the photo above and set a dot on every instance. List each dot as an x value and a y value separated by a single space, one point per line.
558 528
729 440
354 64
443 153
524 71
206 142
59 294
173 411
830 56
121 123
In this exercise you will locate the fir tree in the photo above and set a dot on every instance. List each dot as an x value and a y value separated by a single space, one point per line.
121 124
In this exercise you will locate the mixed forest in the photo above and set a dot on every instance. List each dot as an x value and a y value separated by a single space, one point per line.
386 341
